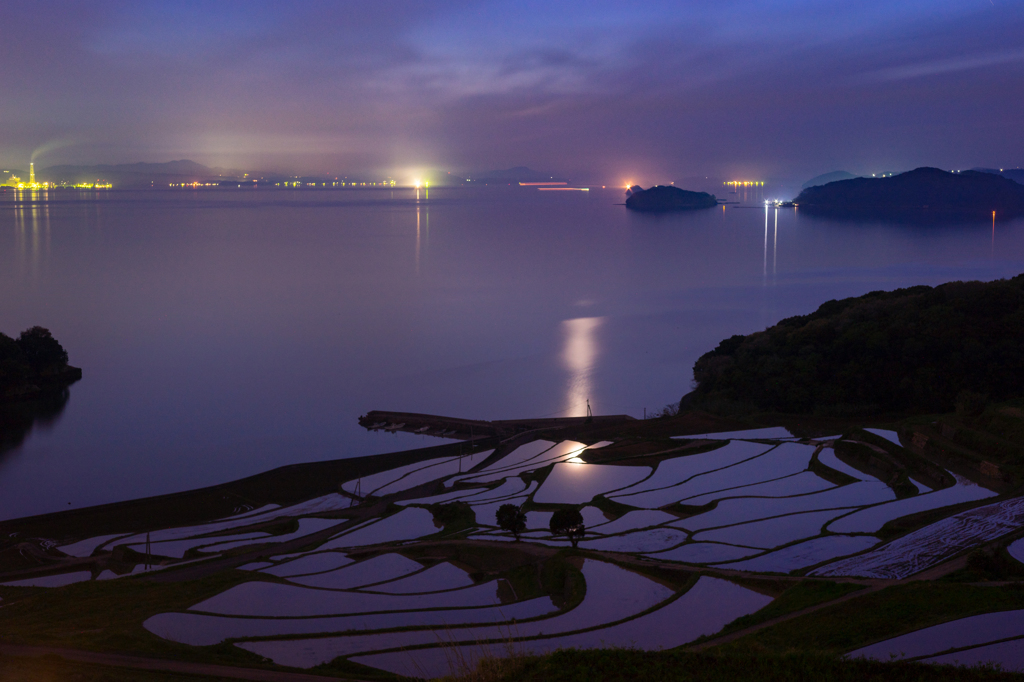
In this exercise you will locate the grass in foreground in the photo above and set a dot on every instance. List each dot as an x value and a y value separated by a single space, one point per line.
800 596
627 665
56 669
108 615
877 616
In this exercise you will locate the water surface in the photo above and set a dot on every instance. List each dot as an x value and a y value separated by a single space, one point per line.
226 333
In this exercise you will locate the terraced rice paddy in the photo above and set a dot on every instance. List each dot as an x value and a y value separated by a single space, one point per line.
613 595
717 602
989 638
367 587
931 545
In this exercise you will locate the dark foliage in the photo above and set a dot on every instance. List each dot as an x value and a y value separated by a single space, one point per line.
929 189
453 514
614 665
13 365
568 522
914 349
511 518
662 198
33 363
993 564
42 352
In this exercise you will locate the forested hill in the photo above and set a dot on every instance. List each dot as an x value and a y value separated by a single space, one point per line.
662 198
924 190
33 364
913 350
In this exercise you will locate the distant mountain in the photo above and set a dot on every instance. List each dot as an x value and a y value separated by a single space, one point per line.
662 198
1015 174
918 192
139 174
514 175
826 178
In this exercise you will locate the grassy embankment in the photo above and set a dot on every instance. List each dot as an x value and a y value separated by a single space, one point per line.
628 665
878 616
55 669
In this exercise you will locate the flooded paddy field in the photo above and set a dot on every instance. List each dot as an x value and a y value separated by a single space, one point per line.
680 537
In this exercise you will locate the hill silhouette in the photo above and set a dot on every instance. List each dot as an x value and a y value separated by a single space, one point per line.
1015 174
920 191
912 350
826 178
663 198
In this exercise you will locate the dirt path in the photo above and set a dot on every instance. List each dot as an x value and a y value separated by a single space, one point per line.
165 665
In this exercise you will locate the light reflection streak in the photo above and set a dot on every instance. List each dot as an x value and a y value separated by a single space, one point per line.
32 230
417 241
19 227
775 247
765 282
579 355
34 216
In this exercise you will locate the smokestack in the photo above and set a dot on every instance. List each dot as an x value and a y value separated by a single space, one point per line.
31 173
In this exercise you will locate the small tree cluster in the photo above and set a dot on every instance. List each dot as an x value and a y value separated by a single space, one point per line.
453 513
670 410
568 522
511 518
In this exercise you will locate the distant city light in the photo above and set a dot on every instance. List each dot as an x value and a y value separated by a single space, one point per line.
744 183
17 183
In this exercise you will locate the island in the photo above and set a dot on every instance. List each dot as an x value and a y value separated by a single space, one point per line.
918 193
34 380
33 365
662 198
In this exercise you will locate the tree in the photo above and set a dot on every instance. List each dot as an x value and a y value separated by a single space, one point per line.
511 518
568 522
43 352
13 367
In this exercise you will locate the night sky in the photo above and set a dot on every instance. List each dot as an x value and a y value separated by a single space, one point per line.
606 91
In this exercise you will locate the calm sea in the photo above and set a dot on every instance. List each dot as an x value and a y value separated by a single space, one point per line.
226 333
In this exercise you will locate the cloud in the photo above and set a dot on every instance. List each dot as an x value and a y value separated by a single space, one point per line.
936 67
676 85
